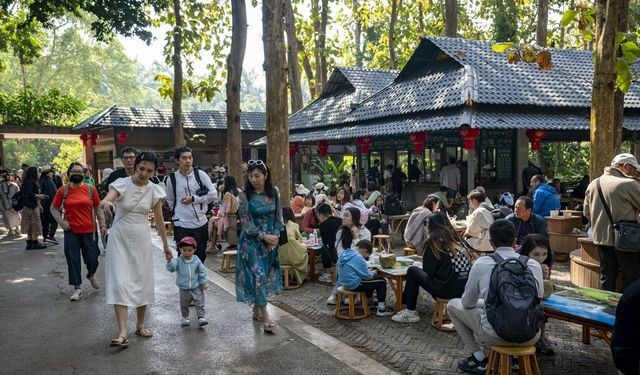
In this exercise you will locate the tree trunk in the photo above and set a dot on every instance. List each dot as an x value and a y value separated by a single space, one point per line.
623 26
420 20
317 27
178 131
323 42
276 92
234 78
543 20
451 18
395 9
308 71
23 71
292 58
604 79
357 31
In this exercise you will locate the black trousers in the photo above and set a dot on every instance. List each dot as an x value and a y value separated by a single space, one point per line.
611 260
201 236
416 278
374 226
329 256
76 245
377 284
49 224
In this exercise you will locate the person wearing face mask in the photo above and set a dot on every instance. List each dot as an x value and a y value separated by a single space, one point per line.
79 201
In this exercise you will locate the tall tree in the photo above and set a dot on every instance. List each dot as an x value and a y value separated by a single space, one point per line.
357 31
176 108
276 85
395 9
623 27
604 85
543 20
505 21
451 18
234 77
292 58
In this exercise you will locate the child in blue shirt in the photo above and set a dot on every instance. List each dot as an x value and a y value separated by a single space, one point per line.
191 280
354 275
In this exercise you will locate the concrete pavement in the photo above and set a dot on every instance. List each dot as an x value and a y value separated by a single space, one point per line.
43 332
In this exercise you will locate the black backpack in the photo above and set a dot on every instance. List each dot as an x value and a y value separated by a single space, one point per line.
392 205
501 213
512 305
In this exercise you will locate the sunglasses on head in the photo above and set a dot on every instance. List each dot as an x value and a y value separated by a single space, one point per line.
256 162
148 156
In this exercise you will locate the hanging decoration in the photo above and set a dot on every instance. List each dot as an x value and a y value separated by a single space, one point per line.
469 135
293 148
364 143
93 137
535 137
84 138
418 140
323 147
122 138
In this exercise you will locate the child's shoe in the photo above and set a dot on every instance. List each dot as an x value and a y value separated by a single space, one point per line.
202 322
384 311
185 322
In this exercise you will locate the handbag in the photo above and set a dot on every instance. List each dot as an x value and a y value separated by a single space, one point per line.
283 233
626 233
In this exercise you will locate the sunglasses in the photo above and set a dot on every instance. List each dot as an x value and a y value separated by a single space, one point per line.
147 156
256 162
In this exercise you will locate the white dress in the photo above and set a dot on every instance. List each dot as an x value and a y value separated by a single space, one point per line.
129 266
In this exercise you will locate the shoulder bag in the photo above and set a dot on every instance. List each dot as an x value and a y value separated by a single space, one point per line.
626 233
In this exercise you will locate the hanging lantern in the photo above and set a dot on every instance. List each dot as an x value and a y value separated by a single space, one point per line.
535 137
469 135
84 138
364 143
418 140
293 148
323 147
93 137
122 138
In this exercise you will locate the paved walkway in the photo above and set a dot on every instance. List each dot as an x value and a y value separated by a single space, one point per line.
43 332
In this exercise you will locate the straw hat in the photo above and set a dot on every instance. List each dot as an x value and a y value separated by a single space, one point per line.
301 190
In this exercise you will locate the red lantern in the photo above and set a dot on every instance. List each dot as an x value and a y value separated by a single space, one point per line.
323 147
122 138
418 140
364 143
293 148
84 138
93 137
469 135
535 137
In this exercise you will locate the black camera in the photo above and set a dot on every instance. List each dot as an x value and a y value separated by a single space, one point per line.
202 191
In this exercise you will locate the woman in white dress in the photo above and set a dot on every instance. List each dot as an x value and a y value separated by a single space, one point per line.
129 266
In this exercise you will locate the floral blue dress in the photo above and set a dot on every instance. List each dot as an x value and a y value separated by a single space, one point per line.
258 272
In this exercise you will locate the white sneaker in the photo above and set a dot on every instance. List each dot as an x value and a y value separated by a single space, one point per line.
202 322
406 316
94 282
331 300
185 322
325 278
77 294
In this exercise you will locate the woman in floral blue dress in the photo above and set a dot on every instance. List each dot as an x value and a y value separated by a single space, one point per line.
258 272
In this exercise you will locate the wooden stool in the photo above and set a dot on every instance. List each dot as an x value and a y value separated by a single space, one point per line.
168 228
499 356
440 318
226 260
342 292
382 242
285 273
408 251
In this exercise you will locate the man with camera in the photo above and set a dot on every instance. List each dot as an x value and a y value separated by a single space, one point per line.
189 191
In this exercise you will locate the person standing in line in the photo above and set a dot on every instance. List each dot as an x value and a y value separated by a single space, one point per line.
128 156
527 173
129 266
49 223
258 272
31 224
414 171
9 188
189 192
450 177
78 200
622 194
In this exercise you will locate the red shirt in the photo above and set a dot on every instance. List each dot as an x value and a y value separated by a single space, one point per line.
77 207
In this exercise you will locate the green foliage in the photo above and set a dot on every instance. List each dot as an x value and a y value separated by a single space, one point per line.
568 161
70 151
17 152
505 21
51 108
332 173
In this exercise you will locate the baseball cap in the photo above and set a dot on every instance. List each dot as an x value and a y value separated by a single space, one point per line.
187 241
625 159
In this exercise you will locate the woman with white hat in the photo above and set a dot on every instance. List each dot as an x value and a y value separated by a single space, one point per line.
297 202
319 188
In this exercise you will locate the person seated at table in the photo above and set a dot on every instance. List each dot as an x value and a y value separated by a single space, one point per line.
416 230
525 221
536 246
625 341
445 268
293 253
477 233
310 219
545 197
372 195
328 227
353 230
354 275
468 312
343 196
442 194
372 224
297 202
309 203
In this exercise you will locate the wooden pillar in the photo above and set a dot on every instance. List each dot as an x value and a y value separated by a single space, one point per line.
522 158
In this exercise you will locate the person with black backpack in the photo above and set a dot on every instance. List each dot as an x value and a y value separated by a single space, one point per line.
501 301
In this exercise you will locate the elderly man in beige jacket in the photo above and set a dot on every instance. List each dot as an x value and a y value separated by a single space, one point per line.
622 194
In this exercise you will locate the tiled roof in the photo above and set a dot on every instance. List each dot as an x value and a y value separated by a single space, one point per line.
568 84
335 102
160 118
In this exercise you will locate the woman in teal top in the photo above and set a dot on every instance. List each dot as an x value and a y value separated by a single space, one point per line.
258 272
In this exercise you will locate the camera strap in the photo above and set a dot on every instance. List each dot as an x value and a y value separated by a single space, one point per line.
172 177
